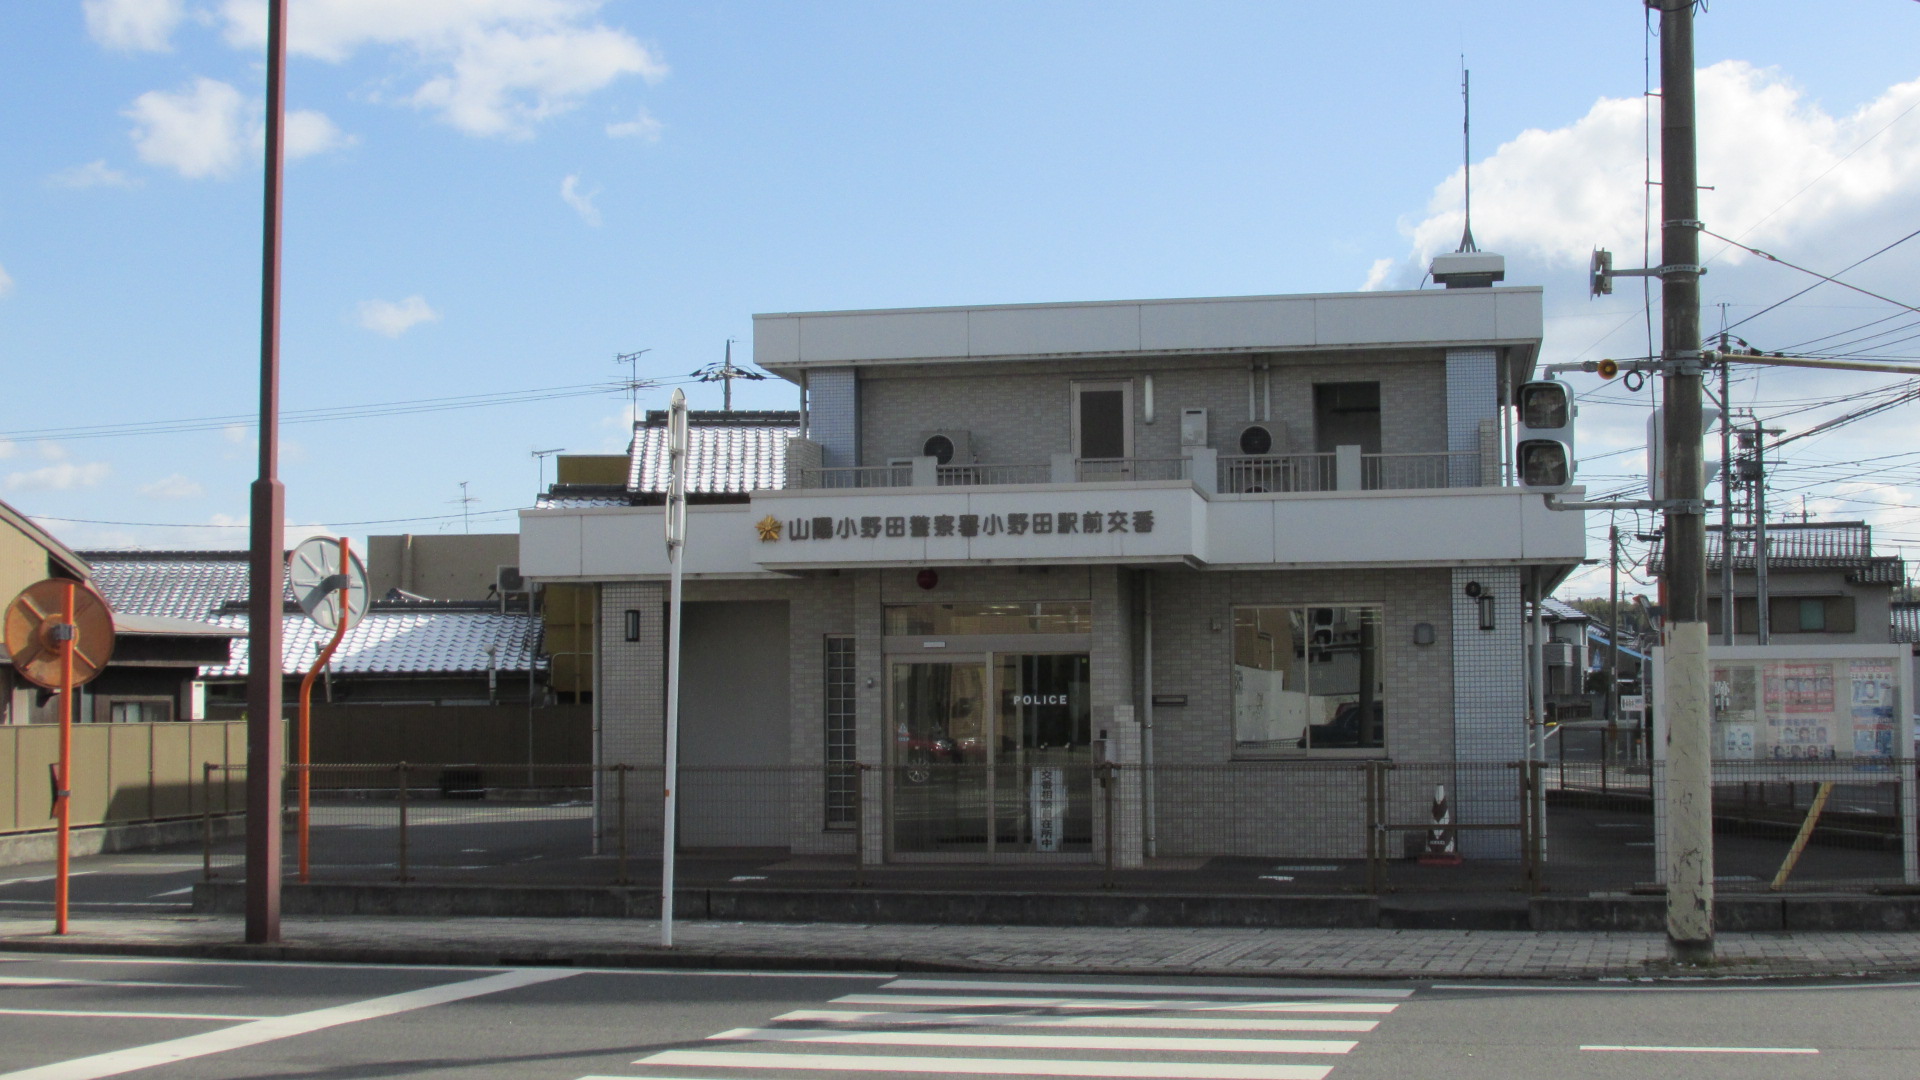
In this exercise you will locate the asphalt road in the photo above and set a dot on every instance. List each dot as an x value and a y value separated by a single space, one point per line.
75 1019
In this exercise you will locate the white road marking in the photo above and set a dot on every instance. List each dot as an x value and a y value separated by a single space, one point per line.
29 980
1316 869
93 904
1125 1070
41 878
850 976
229 1018
1145 1043
182 891
115 1062
998 986
1275 877
1114 1004
1621 986
1168 1023
1709 1049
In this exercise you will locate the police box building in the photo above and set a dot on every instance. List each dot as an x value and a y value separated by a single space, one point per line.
1237 545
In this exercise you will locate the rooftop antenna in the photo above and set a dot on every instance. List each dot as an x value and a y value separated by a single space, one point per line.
724 373
1466 154
632 360
466 503
540 467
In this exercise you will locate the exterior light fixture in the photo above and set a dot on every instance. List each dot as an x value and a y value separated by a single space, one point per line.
633 625
1485 603
1423 633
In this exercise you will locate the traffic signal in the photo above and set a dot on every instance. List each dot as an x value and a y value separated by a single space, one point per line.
1543 454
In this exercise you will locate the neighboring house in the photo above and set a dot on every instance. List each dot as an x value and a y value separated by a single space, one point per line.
1825 584
153 674
403 652
1239 537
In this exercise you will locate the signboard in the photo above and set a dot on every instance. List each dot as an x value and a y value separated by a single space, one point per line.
1792 703
1047 802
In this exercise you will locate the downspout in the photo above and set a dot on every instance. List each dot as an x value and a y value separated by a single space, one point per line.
803 405
1146 712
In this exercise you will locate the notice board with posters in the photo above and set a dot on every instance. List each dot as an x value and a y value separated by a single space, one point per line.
1833 713
1801 703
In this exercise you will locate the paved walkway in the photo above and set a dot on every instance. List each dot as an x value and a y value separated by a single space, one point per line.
1417 954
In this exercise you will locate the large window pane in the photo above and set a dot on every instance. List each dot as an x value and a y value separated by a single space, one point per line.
1307 678
1025 617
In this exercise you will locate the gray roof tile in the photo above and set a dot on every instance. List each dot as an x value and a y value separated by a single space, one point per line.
727 453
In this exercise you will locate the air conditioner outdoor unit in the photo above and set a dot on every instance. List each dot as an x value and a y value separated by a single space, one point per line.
508 580
1259 440
1559 654
947 447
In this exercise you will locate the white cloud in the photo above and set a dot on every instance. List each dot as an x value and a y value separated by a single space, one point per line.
134 25
197 132
1377 274
91 175
394 318
64 476
177 486
6 281
500 66
309 133
642 126
582 202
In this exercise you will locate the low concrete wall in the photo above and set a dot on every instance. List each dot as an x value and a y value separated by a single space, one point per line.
19 848
842 906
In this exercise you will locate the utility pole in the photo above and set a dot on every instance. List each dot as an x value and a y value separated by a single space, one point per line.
1613 638
266 562
1689 775
1762 596
1727 604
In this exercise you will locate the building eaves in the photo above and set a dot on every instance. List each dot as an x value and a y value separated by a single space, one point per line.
63 556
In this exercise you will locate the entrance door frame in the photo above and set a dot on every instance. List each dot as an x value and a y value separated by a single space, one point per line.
986 651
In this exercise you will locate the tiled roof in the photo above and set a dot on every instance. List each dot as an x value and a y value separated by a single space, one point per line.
1559 611
1803 545
569 497
727 453
174 584
405 642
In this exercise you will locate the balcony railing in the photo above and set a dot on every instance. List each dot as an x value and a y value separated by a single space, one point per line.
1345 470
1277 472
1114 470
983 475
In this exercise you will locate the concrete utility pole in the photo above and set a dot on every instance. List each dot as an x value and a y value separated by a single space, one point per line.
1689 778
266 572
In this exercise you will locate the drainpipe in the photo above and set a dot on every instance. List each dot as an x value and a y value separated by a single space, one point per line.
1146 712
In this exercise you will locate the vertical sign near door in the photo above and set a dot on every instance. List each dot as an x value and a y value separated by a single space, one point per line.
1047 798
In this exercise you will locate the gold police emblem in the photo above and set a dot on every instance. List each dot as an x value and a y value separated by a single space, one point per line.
769 527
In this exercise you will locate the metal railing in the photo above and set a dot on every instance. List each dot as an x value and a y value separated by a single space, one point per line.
864 476
1401 472
1300 825
986 475
1111 470
1276 472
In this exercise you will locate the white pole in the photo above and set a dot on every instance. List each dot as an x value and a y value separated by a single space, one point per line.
676 543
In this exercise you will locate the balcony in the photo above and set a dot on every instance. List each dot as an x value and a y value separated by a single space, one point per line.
1346 469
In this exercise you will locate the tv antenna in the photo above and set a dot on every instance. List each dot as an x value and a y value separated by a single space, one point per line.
540 468
1466 155
724 373
466 502
632 360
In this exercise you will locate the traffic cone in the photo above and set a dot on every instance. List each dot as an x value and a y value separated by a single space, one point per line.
1441 850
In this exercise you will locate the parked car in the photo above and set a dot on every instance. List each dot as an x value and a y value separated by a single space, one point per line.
1344 728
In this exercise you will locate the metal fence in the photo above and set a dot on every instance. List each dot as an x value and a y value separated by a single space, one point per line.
1281 472
1397 472
1105 470
984 475
1299 826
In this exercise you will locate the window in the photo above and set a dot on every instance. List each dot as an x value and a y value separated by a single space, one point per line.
843 777
1103 420
1025 617
151 711
1788 615
1307 679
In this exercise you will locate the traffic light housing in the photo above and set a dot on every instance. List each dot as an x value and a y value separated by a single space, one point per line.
1543 453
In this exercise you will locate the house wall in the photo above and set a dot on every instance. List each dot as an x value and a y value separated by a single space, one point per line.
1017 416
1872 604
439 567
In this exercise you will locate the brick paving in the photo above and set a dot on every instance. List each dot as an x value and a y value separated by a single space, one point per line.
1412 954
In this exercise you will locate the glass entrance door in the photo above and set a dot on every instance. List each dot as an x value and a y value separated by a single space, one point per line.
991 755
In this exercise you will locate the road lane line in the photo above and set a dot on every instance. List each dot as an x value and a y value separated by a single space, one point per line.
84 1013
1169 1023
116 1062
1707 1048
28 980
1115 1004
998 986
1148 1044
964 1066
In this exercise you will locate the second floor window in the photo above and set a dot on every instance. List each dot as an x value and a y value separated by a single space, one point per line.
1103 419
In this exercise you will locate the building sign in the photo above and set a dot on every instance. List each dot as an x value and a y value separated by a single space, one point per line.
1047 799
929 526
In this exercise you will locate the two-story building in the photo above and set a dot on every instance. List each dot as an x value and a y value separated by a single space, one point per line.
1244 542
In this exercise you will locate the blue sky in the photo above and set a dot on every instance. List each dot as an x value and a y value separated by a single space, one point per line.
497 196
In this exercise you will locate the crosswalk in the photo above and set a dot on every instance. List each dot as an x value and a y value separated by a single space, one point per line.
1135 1030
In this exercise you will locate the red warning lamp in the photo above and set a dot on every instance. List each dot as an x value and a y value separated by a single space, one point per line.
1608 369
927 579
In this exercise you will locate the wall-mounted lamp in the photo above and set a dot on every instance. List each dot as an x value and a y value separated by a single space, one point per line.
1485 602
1423 633
633 625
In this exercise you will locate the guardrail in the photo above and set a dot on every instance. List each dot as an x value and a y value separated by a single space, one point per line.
988 475
864 476
1115 470
1401 472
1277 473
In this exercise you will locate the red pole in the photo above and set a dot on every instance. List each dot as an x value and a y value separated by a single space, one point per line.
63 795
305 750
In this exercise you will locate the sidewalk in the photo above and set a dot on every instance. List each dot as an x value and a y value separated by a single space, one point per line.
1347 954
